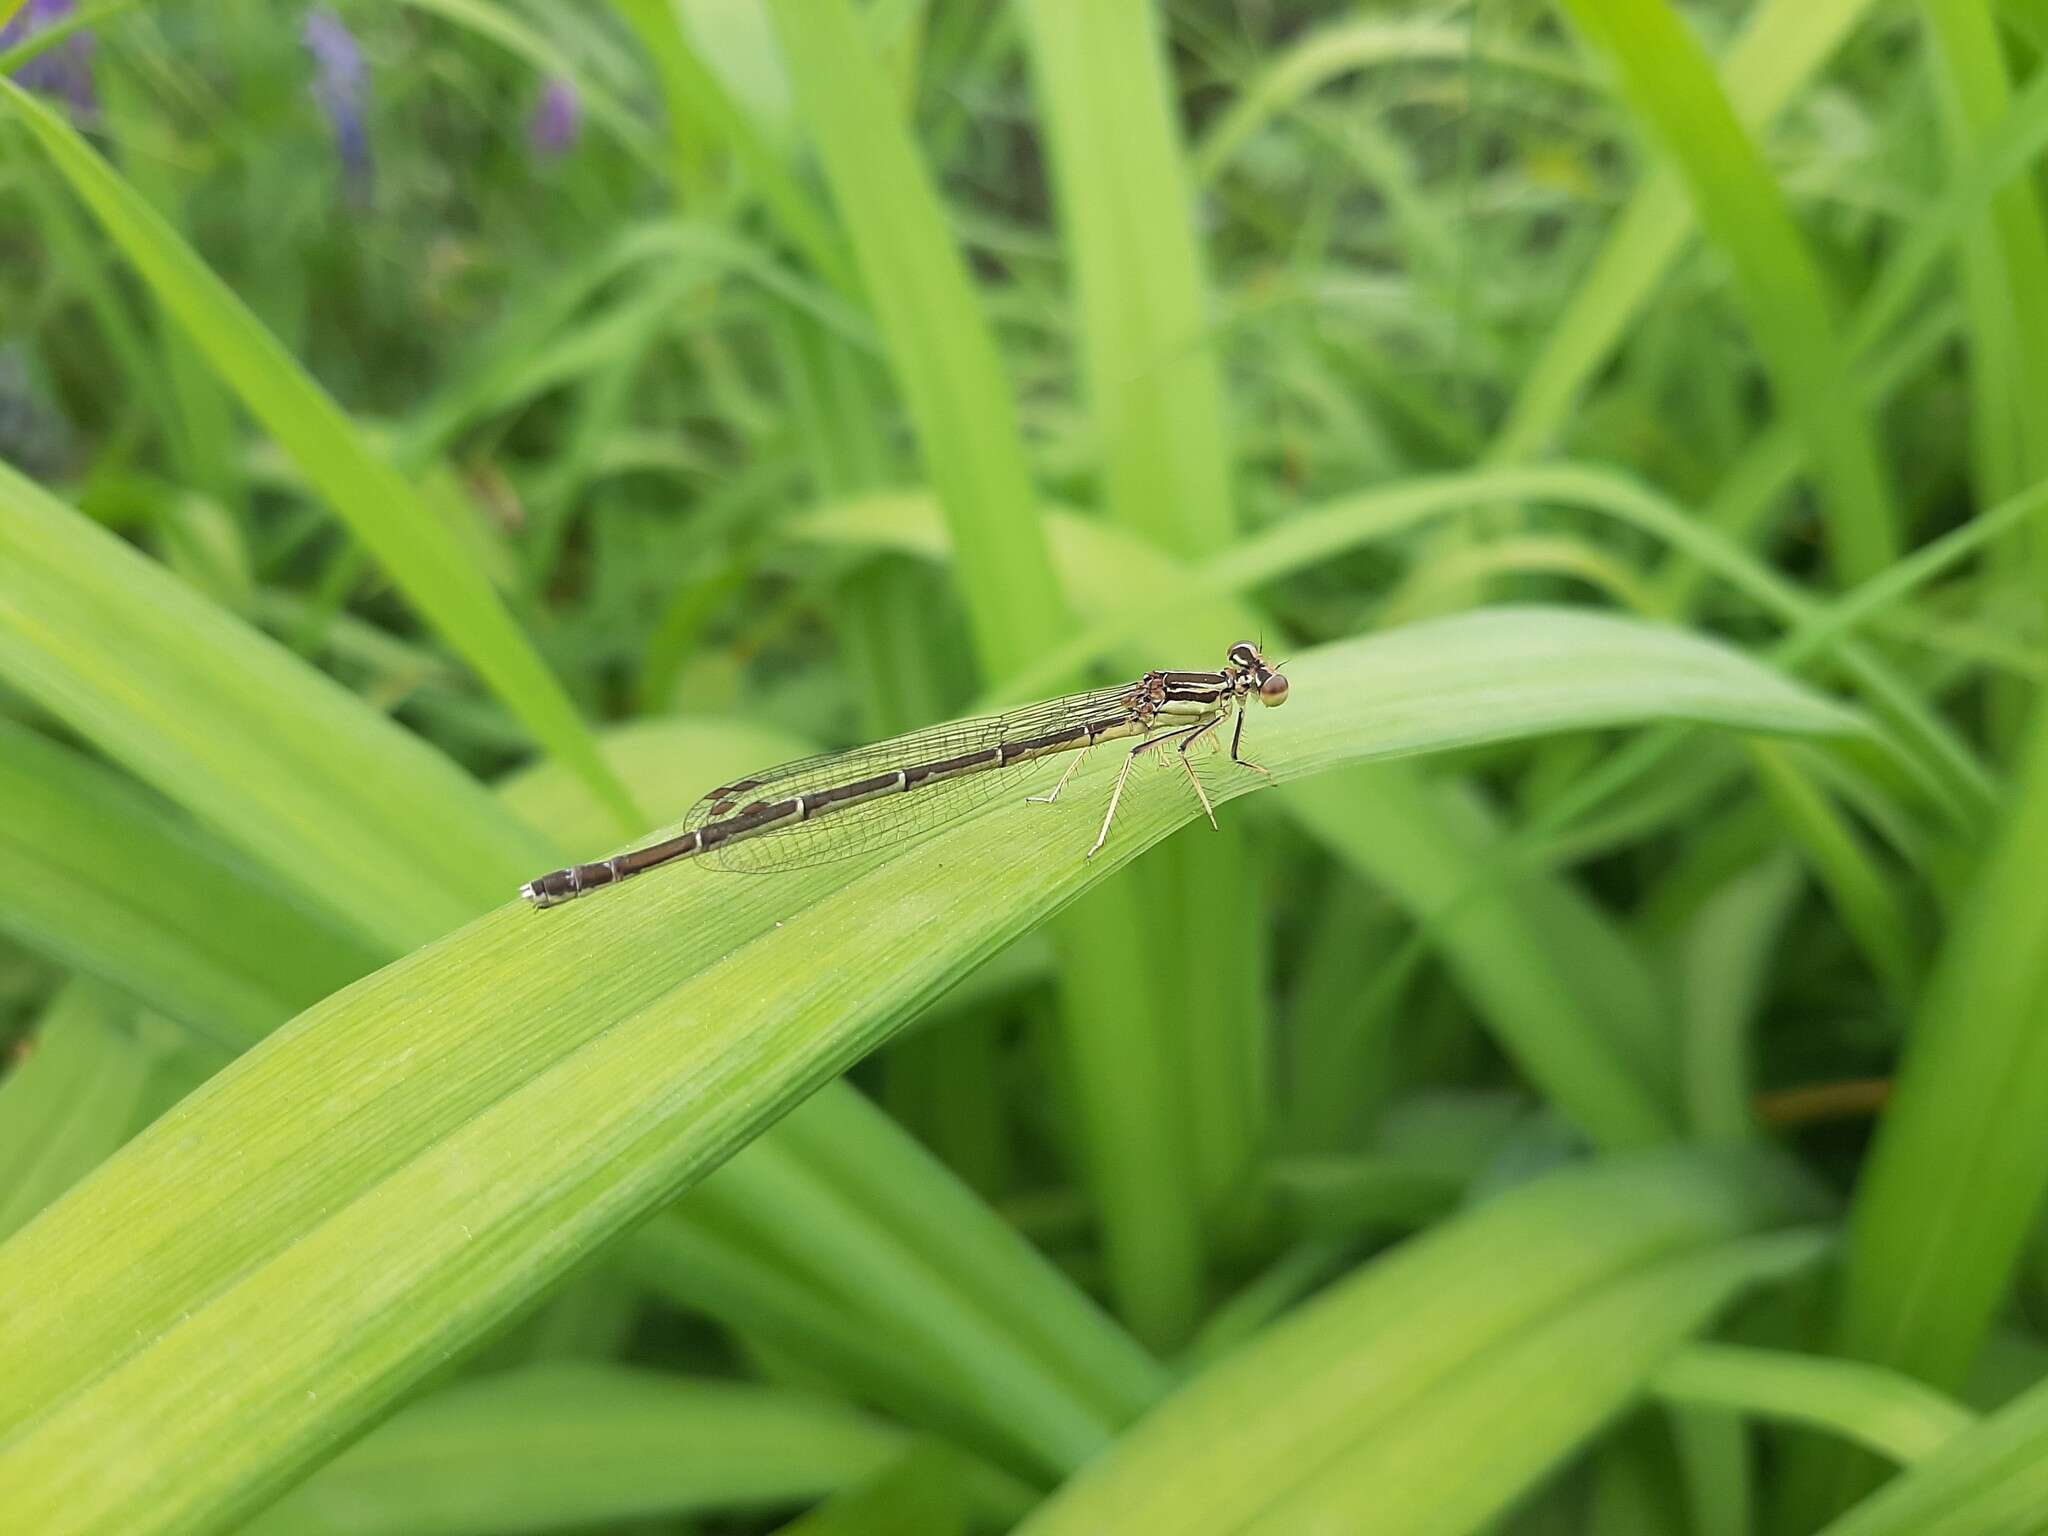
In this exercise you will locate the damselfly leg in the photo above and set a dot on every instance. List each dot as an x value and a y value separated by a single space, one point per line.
1236 739
1184 737
1048 799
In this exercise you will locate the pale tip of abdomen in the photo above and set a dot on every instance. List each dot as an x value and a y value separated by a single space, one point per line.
533 892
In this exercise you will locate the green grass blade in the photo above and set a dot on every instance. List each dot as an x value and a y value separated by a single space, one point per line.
1866 899
276 758
1985 1481
915 1494
1523 1325
946 364
1670 84
1944 761
1606 1351
1891 1414
1329 52
70 1102
1956 1178
422 553
1175 1066
2005 266
957 1324
573 1445
1055 1345
698 103
863 1266
939 340
383 1181
1783 44
1419 843
1721 982
1154 387
937 1218
692 1263
100 878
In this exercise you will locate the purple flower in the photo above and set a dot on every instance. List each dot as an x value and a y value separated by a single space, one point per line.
65 70
341 86
558 119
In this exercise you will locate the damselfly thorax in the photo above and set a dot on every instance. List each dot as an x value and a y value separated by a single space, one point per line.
840 804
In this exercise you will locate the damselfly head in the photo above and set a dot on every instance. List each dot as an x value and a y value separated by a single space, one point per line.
1249 666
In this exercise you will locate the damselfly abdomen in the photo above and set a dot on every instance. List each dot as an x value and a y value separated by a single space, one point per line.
840 804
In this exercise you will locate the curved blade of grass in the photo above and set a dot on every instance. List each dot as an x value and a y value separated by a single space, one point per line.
276 758
424 556
1068 1354
2005 151
919 1493
71 1102
1329 52
699 104
497 372
1604 1355
1943 762
1350 522
1781 47
384 1180
999 1274
1871 906
941 346
1523 1325
1670 84
100 878
333 728
2005 263
1721 969
1432 853
1023 1379
1956 1178
1021 1333
1154 384
1989 1480
702 1268
1893 1415
575 1445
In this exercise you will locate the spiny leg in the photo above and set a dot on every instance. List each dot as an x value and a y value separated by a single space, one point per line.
1123 775
1236 737
1115 795
1194 778
1080 758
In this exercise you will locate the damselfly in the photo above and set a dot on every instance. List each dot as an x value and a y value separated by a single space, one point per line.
845 803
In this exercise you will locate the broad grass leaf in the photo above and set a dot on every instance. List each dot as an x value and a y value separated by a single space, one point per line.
387 1178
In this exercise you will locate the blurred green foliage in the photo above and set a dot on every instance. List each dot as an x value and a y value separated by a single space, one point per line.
1602 1092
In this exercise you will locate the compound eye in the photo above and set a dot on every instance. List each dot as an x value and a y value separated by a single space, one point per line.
1243 655
1273 690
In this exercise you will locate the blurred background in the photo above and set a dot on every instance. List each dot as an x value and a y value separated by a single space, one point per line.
775 377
